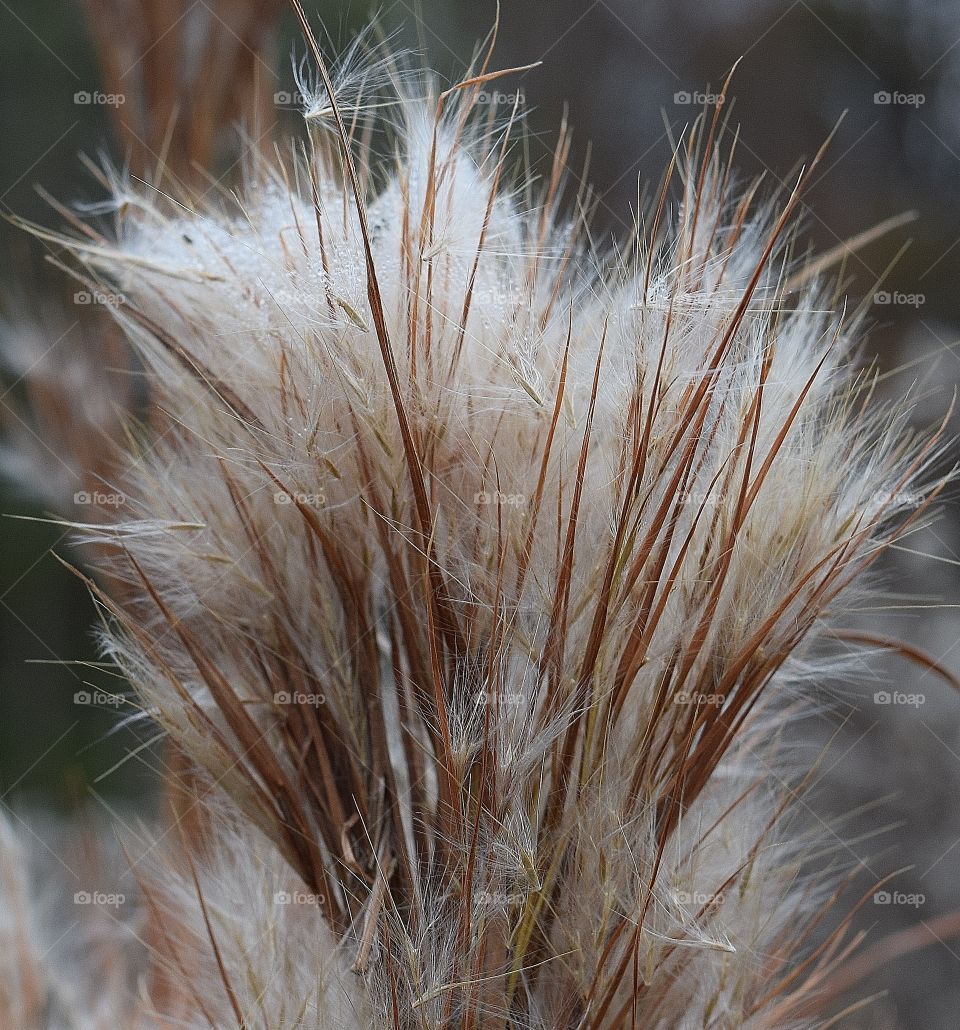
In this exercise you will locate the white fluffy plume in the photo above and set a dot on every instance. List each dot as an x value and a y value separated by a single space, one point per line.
475 574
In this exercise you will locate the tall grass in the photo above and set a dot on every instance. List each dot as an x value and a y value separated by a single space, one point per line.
478 573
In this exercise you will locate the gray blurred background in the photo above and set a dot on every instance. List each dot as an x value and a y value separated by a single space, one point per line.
628 74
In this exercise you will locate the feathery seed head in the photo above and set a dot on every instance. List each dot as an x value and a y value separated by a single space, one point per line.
475 568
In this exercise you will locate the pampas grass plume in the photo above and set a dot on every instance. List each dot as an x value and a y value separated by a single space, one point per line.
477 573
